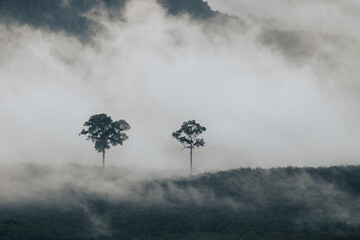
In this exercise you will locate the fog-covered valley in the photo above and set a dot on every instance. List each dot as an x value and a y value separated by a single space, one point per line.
274 83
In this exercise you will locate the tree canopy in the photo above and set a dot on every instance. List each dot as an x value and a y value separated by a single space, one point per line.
102 131
188 134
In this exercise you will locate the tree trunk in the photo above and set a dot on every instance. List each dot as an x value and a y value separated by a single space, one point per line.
68 27
191 159
103 153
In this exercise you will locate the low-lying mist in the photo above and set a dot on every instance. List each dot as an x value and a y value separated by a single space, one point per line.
318 200
51 183
268 97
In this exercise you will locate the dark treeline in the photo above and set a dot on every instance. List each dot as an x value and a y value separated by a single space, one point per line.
72 16
278 203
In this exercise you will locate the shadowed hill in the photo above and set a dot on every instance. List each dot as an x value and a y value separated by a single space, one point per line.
72 16
278 203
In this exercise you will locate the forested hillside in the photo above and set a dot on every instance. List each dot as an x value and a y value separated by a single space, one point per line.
73 16
278 203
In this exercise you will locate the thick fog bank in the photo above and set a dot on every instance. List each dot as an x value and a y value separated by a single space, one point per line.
267 96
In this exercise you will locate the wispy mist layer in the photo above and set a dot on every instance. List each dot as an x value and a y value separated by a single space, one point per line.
300 193
327 16
263 103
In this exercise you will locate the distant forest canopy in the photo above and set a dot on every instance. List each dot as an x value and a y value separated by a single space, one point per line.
70 16
278 203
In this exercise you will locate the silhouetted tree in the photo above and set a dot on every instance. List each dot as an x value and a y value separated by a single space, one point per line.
188 135
102 131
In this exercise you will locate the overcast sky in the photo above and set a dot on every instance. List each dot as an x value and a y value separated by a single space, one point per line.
263 103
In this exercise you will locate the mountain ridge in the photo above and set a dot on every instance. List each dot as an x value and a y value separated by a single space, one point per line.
70 16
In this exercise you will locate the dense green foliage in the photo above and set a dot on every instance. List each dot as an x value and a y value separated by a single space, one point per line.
72 16
278 203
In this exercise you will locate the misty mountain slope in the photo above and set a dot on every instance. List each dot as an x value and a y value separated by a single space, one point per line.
74 18
73 202
278 85
331 56
196 9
